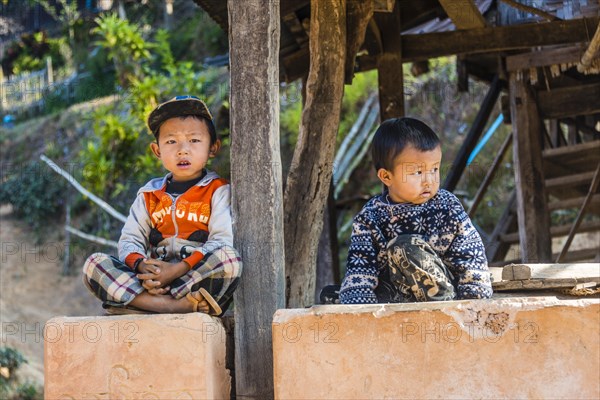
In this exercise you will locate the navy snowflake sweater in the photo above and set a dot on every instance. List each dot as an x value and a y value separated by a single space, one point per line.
441 221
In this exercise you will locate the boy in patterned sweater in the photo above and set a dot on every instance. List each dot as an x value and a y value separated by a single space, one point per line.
175 250
414 242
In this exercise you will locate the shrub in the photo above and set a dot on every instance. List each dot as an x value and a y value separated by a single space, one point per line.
35 192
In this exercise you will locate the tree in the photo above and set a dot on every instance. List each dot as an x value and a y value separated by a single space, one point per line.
308 182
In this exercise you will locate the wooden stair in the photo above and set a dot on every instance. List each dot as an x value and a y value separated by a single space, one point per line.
568 174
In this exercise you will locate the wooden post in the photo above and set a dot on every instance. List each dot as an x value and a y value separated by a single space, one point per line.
257 198
310 174
389 66
532 207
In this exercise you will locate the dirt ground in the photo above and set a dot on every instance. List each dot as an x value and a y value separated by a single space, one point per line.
32 290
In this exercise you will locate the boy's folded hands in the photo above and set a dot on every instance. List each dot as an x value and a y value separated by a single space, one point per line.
156 275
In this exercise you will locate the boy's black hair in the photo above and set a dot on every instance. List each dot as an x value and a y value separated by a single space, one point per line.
209 124
394 135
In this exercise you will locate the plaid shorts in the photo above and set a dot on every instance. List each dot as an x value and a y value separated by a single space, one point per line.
414 273
116 284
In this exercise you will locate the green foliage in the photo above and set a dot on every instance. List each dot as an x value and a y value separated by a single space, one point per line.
35 192
10 358
30 53
27 391
110 156
124 45
10 388
198 37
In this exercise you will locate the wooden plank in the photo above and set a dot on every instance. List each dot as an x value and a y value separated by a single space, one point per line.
589 150
572 256
463 13
389 68
581 213
544 58
574 100
539 284
555 231
257 198
573 203
296 29
495 39
532 208
551 271
460 162
570 180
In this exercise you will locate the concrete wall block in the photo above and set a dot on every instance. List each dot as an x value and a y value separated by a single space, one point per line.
521 347
167 356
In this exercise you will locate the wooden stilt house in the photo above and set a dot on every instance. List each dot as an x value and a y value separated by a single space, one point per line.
540 58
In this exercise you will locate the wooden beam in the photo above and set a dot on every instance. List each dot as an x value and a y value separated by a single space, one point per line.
551 271
572 256
389 68
569 101
358 15
589 149
547 276
490 175
544 58
570 180
460 162
555 231
296 28
257 198
463 13
532 208
307 185
496 39
573 203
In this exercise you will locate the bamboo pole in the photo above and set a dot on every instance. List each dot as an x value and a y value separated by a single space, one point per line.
104 205
531 10
91 238
589 60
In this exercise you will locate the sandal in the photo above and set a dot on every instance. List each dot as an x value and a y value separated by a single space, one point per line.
202 294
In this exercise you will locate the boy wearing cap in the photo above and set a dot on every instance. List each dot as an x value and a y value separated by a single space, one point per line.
182 220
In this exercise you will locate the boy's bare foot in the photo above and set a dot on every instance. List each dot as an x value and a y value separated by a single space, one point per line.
193 302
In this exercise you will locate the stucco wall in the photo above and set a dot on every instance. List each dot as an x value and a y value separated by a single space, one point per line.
525 347
169 356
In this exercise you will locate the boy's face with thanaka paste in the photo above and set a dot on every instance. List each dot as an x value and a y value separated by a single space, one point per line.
415 177
184 147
